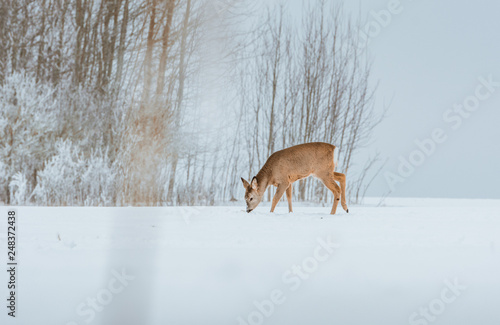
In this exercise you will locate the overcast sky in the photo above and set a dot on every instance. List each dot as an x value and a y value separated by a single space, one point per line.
427 59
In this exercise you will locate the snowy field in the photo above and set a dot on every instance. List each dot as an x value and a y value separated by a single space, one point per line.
409 261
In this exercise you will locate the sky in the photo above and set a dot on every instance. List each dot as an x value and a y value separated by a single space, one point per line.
438 68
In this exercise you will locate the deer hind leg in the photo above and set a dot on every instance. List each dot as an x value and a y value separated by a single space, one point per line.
339 177
289 197
279 193
329 182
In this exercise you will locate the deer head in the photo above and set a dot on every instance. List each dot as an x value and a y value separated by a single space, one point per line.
252 195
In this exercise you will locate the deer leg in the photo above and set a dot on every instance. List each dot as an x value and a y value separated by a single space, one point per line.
339 177
279 193
289 197
332 186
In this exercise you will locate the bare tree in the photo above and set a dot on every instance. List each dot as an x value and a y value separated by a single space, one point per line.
313 85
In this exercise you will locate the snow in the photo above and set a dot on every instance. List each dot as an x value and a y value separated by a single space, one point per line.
407 261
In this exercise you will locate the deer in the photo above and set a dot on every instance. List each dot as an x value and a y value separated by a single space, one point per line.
289 165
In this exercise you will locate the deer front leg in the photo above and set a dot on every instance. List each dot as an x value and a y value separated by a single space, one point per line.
279 193
289 197
339 177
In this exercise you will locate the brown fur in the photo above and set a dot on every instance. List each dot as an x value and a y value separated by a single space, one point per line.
286 166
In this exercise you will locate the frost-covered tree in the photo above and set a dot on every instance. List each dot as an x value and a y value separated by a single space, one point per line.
28 126
72 178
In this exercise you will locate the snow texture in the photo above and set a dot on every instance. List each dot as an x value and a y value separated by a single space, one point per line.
217 265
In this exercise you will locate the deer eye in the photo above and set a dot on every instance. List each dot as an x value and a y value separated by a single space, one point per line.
251 198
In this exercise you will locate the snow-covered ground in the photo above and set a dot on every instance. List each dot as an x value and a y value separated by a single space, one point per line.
408 261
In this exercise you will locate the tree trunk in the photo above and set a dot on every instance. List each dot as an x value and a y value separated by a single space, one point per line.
56 71
41 45
4 18
163 59
121 47
149 56
180 96
79 16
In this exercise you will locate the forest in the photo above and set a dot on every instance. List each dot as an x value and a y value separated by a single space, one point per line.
152 103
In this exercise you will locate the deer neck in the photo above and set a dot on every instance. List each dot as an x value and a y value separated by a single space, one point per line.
262 181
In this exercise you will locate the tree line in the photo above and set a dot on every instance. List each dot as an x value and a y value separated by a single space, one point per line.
104 102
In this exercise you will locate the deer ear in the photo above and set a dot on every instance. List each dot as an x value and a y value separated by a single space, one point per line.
254 183
245 183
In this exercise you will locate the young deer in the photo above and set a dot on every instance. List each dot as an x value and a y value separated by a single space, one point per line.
289 165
